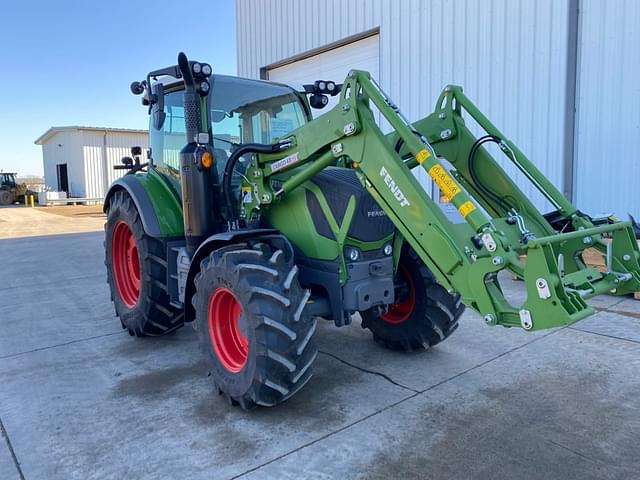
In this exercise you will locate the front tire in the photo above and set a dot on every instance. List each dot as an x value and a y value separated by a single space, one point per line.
253 326
424 315
6 197
136 273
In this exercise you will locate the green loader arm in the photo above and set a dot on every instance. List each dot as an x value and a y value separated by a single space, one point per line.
501 224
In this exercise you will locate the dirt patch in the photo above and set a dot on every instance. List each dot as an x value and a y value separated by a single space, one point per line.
28 222
75 211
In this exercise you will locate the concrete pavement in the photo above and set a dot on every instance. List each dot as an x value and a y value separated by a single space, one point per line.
81 399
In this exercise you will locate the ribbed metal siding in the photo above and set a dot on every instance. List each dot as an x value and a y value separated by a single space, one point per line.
271 30
98 173
608 119
510 57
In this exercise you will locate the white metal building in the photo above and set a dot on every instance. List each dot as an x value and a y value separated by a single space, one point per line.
559 77
80 160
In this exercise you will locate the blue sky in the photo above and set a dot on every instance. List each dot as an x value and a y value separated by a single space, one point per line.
70 62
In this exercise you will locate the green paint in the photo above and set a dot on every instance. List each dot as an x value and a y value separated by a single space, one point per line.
464 257
348 134
165 201
292 217
339 231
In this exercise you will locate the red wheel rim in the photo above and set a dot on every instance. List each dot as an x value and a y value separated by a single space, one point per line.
228 343
125 263
399 312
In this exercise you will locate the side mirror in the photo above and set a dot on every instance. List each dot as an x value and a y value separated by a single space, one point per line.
127 161
137 88
136 151
157 108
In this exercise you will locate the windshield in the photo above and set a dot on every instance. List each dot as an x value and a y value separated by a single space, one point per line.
7 179
241 111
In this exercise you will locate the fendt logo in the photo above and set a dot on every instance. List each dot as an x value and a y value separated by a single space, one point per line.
391 183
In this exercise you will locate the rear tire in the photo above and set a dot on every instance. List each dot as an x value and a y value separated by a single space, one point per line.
137 272
253 326
425 314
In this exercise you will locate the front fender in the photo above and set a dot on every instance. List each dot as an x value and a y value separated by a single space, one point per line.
213 243
158 206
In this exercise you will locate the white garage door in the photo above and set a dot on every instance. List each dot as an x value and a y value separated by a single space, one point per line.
333 64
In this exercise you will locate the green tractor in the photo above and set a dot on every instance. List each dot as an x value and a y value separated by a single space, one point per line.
252 220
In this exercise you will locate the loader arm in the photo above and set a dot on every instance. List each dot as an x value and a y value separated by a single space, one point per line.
500 223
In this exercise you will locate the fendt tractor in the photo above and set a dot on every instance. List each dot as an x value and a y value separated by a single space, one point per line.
252 219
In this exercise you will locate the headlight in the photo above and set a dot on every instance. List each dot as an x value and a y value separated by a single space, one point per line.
204 86
354 254
388 249
196 68
206 69
331 86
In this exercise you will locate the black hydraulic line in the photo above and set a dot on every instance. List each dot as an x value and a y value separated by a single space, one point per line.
472 157
400 140
398 145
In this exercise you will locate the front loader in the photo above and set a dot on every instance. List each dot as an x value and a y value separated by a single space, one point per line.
11 191
252 220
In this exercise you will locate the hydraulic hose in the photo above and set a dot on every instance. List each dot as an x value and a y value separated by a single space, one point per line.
472 157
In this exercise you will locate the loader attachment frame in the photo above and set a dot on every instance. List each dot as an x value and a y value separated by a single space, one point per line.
501 225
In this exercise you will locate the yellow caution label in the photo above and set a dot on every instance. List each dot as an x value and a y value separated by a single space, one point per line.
246 195
446 184
466 208
422 155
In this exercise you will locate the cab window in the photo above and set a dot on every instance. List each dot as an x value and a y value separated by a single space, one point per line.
241 111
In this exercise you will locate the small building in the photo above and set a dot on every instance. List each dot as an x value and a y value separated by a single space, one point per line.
80 160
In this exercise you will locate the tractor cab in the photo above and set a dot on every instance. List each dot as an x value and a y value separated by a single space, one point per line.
7 180
240 111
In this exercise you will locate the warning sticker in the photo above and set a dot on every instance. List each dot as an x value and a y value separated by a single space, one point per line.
422 155
466 208
285 162
446 184
246 195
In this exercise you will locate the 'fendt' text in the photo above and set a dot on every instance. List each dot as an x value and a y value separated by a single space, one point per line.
391 183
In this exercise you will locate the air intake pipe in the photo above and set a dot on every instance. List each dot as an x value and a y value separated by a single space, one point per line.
196 182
